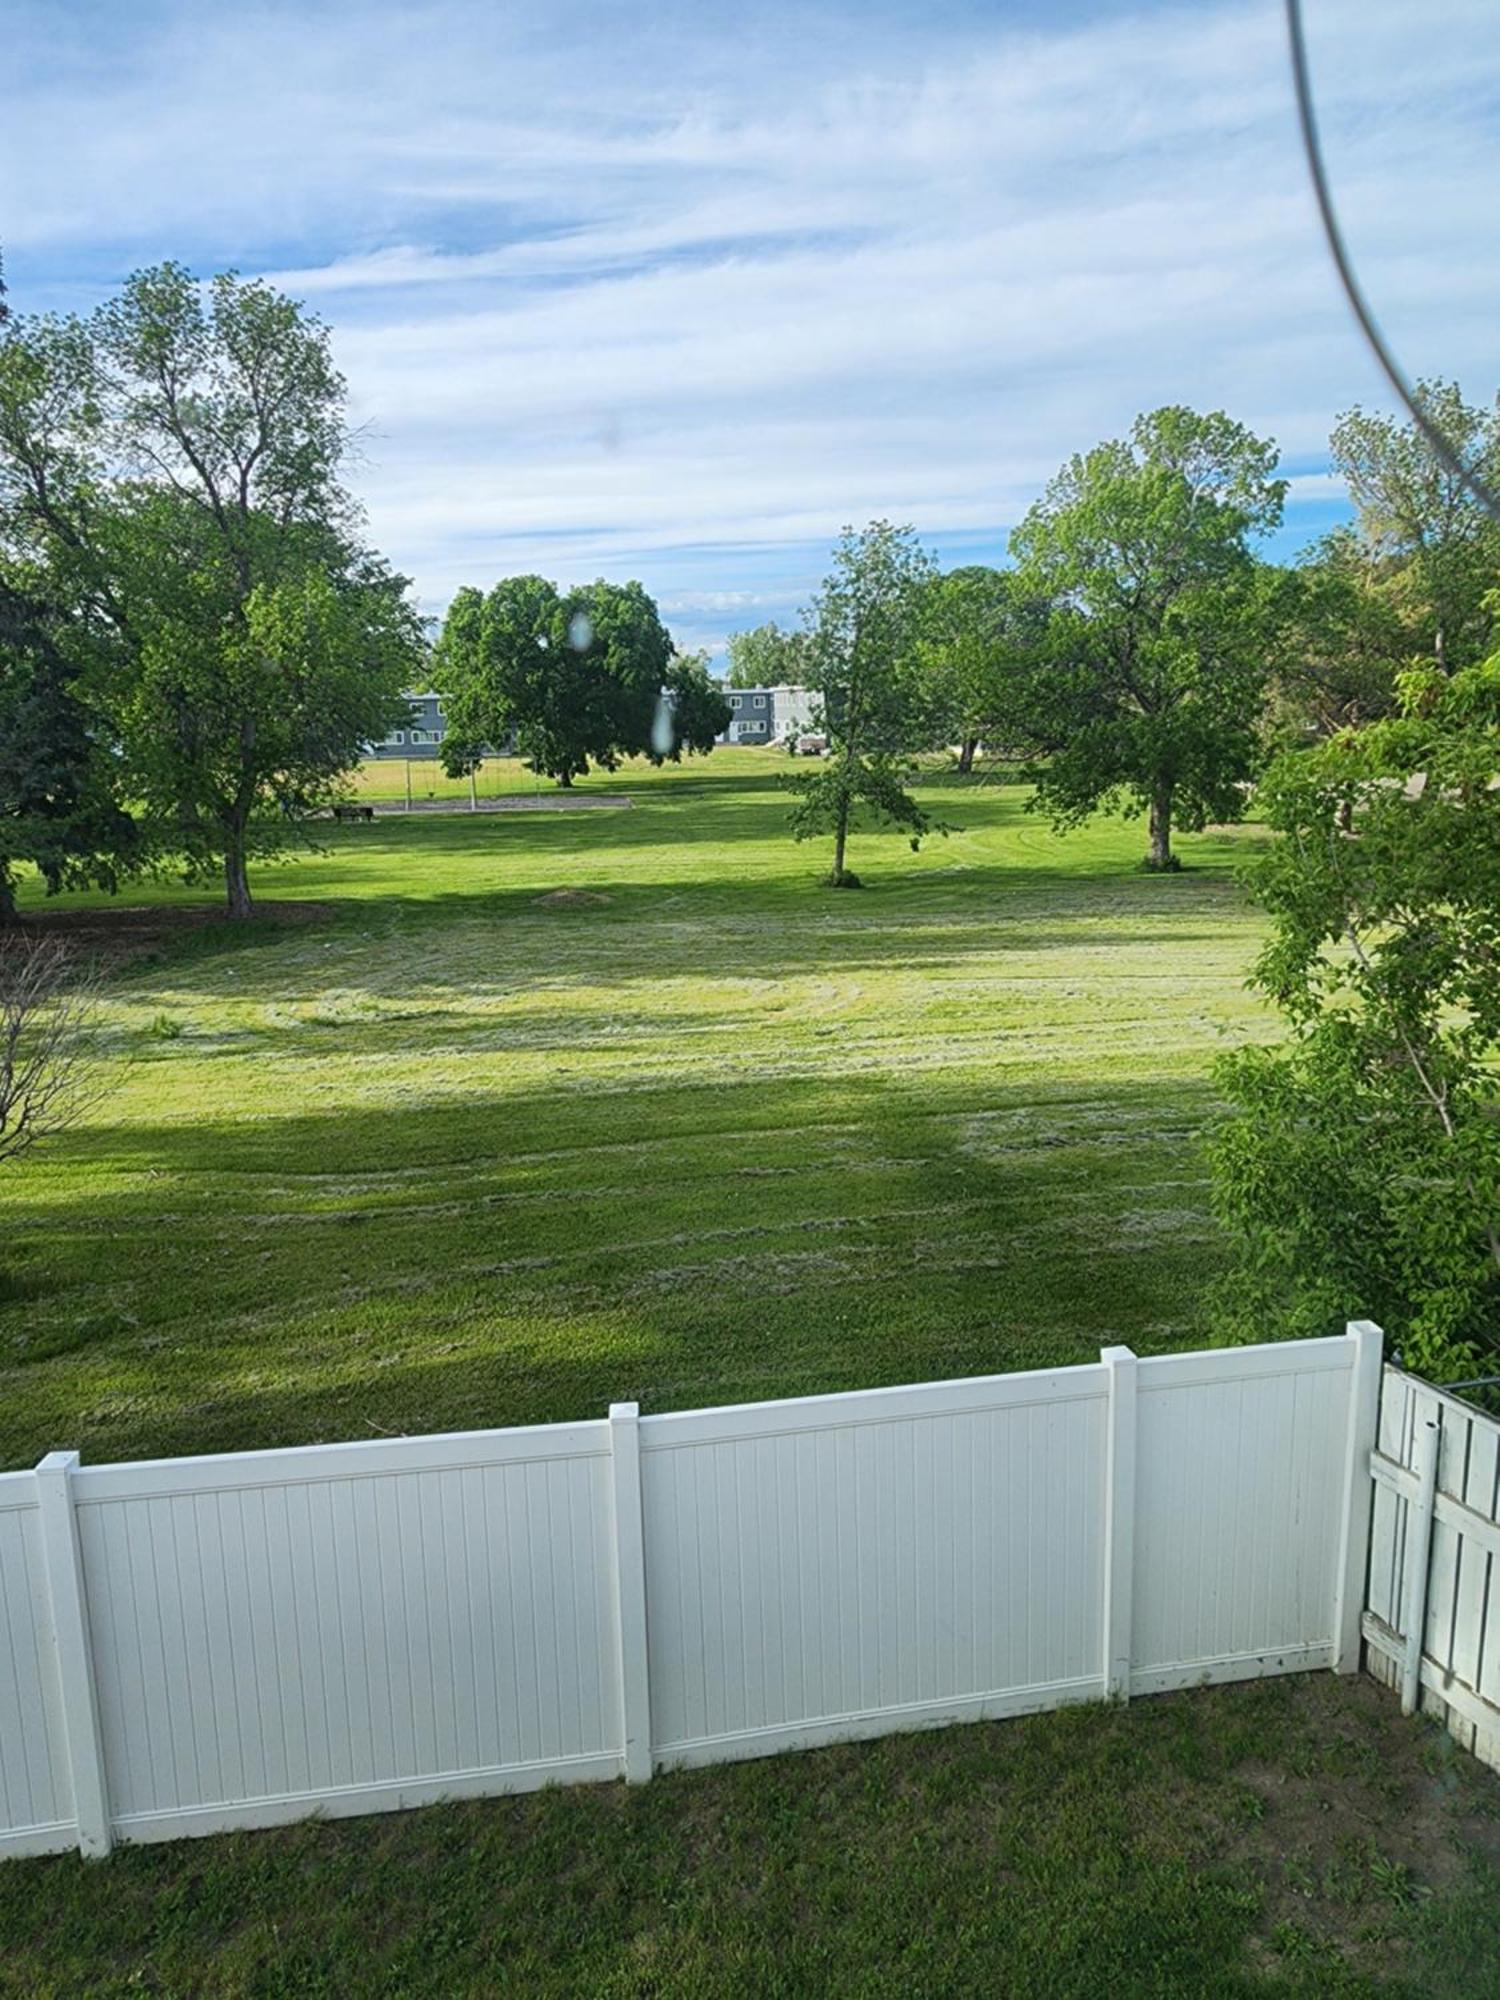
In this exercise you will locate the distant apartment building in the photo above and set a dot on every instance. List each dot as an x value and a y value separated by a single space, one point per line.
423 735
767 714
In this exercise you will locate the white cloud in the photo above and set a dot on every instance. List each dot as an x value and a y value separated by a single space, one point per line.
650 291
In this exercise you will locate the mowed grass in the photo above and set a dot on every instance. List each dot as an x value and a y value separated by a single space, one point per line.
1280 1838
422 1147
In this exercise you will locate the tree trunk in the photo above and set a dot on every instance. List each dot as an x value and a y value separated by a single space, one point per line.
840 841
236 881
7 894
565 779
1160 855
966 751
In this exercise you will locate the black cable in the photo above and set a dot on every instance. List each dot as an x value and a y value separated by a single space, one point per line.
1368 324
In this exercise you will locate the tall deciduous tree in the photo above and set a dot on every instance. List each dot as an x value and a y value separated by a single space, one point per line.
982 636
1359 1171
1420 521
766 656
864 661
1154 672
693 714
171 466
61 781
576 679
1338 642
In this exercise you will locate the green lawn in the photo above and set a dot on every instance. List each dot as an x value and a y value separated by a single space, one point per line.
1280 1838
424 1147
437 1151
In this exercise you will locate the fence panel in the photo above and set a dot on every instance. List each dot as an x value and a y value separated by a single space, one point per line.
203 1643
846 1565
1238 1510
351 1628
36 1795
1433 1628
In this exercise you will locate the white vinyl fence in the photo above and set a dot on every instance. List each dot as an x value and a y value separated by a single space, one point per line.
1433 1623
203 1643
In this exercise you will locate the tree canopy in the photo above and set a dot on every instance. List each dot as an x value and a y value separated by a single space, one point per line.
1435 543
1149 690
1359 1172
766 656
575 678
169 468
982 635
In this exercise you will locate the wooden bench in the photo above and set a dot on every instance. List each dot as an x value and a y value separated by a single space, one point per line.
354 812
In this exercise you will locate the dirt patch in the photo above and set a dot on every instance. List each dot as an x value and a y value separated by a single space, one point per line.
122 931
1350 1821
518 803
571 899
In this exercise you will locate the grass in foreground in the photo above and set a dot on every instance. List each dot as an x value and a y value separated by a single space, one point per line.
423 1146
1280 1838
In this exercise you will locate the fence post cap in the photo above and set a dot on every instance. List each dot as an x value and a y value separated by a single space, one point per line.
624 1413
58 1461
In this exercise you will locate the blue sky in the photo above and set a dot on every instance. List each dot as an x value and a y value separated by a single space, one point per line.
675 291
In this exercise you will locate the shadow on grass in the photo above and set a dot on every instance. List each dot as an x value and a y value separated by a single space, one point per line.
531 1259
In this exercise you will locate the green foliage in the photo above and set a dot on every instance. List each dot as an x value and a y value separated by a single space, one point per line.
765 656
60 781
1437 544
1339 638
1150 688
169 472
1360 1171
575 680
864 659
981 634
830 794
693 714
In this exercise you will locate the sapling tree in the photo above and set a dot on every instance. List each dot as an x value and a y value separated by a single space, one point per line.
1359 1170
49 1073
864 633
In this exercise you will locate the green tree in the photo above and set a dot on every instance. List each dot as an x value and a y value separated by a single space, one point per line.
170 466
765 656
60 804
576 679
1337 645
1151 683
1423 525
863 650
982 635
1359 1170
693 713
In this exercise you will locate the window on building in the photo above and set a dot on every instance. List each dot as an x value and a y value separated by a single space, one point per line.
399 737
760 701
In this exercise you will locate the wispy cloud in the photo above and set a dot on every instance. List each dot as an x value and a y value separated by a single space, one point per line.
681 290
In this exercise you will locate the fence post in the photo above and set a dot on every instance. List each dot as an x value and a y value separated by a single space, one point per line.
630 1588
1119 1518
62 1560
1354 1529
1418 1553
